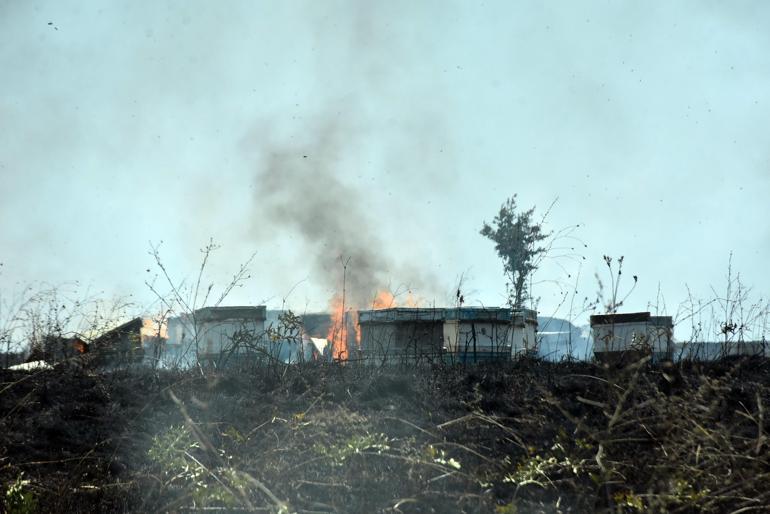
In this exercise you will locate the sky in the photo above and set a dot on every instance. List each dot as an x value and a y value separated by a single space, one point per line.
306 133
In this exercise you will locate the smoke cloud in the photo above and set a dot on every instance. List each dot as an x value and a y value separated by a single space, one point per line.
299 190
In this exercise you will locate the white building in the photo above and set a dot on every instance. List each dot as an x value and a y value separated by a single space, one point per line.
465 334
624 338
215 335
401 334
478 333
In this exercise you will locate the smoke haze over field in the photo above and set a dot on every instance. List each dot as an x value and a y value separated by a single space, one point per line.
385 132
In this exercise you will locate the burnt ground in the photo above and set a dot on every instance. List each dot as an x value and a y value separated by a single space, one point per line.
526 436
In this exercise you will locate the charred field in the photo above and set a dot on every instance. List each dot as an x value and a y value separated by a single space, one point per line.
524 436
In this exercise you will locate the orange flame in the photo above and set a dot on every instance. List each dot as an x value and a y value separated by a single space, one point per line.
386 300
358 329
383 300
338 330
337 335
411 300
151 328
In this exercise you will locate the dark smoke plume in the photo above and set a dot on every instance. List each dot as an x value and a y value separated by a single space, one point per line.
298 189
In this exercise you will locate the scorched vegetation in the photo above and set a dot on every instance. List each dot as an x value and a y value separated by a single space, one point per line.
523 436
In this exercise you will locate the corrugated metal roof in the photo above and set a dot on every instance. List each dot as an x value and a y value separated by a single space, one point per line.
479 314
631 317
404 314
401 314
258 312
628 317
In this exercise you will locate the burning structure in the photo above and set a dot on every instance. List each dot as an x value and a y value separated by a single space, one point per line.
465 334
120 346
625 338
412 334
129 343
58 348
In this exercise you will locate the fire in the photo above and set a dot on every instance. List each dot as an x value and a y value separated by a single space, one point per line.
151 329
383 300
337 335
411 300
338 330
386 300
357 329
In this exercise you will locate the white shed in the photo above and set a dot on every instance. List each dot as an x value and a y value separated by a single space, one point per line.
214 334
484 333
464 334
626 337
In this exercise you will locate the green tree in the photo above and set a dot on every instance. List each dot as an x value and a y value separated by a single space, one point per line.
517 239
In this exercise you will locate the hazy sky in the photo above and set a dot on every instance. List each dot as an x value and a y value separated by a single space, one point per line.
387 131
